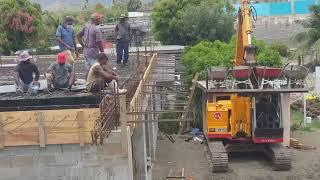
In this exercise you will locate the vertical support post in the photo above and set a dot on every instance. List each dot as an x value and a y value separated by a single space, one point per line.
285 106
304 109
42 134
123 127
80 119
130 163
1 132
292 7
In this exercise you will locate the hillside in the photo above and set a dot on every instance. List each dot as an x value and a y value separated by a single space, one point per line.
68 4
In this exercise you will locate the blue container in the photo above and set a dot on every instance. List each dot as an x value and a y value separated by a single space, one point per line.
281 8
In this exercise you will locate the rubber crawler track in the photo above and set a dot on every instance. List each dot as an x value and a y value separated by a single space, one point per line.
218 156
280 156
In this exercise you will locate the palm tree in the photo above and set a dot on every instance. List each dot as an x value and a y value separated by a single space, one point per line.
311 37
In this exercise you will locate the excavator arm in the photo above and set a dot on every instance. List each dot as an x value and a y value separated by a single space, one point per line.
244 31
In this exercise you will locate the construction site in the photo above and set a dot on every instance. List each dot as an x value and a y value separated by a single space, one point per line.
240 120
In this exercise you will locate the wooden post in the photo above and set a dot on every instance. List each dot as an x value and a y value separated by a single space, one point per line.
1 133
130 163
285 103
80 118
42 134
123 127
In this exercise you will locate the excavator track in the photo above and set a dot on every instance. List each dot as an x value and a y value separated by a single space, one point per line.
218 156
280 156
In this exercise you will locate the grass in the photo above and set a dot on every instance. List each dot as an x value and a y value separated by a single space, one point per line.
297 122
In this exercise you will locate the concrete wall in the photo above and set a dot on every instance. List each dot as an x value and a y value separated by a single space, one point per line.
64 162
278 28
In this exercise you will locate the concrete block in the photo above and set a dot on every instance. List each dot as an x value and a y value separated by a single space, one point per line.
6 161
50 149
52 171
21 150
67 158
30 172
47 159
9 172
23 161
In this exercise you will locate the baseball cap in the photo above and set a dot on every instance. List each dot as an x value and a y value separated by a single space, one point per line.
61 58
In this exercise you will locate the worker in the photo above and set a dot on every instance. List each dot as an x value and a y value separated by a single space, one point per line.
60 74
101 75
123 39
66 38
90 38
24 74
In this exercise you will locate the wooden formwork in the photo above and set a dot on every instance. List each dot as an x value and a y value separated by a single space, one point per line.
67 126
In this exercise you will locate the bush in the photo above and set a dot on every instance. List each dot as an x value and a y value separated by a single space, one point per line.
206 54
281 48
269 57
188 22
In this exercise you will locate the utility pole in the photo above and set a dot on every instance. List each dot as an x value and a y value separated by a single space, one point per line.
292 7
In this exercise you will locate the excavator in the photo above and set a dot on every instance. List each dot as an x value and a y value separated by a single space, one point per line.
246 117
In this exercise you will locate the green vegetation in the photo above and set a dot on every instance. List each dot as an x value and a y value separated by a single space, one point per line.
297 122
205 54
310 39
281 48
134 5
21 25
188 22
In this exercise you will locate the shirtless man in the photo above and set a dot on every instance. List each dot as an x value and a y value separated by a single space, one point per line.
99 76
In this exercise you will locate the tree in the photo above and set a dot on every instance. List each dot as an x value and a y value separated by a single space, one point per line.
134 5
188 22
311 37
20 24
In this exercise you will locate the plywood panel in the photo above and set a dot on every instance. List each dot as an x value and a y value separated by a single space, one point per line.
60 126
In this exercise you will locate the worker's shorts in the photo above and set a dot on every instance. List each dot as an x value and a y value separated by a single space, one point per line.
89 62
97 86
23 87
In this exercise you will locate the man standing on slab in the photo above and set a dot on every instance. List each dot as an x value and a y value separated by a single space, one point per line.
66 38
90 39
123 39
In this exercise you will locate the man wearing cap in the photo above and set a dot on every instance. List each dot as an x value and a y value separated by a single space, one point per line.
66 38
123 38
90 39
60 74
100 75
24 73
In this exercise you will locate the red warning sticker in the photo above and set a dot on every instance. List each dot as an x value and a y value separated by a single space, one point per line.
217 115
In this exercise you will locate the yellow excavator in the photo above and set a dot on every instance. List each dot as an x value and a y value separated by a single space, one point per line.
248 116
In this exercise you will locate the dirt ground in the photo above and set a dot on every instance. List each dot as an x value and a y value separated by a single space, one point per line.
242 166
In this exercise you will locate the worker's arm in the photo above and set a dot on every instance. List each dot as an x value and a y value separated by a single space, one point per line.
116 31
16 75
36 71
99 40
105 74
50 68
79 37
59 39
75 45
129 31
16 78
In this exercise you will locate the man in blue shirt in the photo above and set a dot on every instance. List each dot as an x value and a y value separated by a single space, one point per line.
66 37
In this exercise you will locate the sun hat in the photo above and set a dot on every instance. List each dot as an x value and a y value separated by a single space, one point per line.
122 16
61 58
24 56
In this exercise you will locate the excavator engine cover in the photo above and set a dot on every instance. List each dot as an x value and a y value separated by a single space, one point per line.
218 119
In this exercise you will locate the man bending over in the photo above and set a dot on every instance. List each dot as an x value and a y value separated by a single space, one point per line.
99 76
